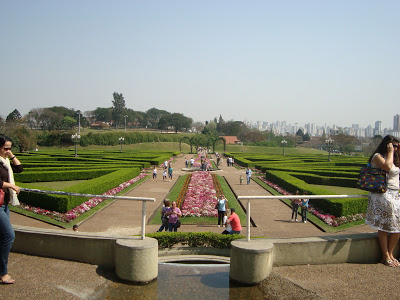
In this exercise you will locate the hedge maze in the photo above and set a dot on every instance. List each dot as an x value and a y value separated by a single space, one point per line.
99 170
303 172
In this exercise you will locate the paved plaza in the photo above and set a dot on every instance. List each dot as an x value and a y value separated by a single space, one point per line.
46 278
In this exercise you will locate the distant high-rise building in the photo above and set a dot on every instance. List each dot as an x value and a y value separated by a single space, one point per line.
378 128
396 123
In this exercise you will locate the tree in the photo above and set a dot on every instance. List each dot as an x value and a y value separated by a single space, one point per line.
235 128
306 137
179 121
23 138
102 114
14 116
198 126
220 123
118 108
44 118
153 116
68 123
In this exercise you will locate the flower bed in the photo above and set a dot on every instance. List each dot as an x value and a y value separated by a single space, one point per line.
201 196
328 219
84 207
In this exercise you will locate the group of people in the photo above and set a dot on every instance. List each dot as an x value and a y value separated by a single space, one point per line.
303 203
170 215
189 163
167 169
232 223
230 161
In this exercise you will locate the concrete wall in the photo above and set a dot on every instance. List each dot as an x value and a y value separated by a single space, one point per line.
101 249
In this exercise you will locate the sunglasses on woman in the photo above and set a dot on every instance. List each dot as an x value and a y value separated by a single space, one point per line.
6 149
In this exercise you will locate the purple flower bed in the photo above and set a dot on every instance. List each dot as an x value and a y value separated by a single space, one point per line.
328 219
84 207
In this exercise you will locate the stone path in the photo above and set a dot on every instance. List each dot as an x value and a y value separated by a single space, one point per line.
272 217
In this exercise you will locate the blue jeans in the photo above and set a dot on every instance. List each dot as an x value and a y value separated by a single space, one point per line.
172 226
248 179
234 232
7 237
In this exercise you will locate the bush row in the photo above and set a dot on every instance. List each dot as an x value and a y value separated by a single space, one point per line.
108 139
194 239
61 175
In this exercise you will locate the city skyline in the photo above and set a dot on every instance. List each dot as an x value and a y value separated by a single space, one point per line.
333 62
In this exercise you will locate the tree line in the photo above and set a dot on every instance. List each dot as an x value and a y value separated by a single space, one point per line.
36 125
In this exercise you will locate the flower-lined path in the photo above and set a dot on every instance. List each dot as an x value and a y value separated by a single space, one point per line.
272 217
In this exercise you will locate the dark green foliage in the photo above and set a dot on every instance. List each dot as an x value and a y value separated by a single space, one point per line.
65 175
194 239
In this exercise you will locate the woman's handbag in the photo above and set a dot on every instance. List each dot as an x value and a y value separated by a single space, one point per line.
178 223
372 179
217 205
2 194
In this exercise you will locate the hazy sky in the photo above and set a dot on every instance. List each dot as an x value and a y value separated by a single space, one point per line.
303 61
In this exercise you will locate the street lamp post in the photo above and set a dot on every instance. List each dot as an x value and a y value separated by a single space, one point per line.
284 142
121 140
125 121
75 137
329 143
79 122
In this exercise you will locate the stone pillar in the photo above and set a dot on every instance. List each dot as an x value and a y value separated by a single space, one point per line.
136 260
251 262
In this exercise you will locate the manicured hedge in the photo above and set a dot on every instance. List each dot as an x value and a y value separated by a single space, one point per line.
59 175
194 239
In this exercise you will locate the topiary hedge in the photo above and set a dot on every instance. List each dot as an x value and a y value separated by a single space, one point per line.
194 239
97 185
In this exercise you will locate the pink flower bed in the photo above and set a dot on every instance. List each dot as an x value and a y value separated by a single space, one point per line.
84 207
328 219
201 197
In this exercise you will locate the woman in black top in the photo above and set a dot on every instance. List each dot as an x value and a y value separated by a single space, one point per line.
8 165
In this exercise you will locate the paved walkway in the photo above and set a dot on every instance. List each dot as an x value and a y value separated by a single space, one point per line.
45 278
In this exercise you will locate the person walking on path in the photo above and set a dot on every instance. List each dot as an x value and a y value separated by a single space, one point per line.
170 170
304 208
154 173
221 209
295 208
9 165
234 221
174 213
164 217
248 175
383 210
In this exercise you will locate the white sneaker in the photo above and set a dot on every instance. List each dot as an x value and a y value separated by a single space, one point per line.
219 226
305 221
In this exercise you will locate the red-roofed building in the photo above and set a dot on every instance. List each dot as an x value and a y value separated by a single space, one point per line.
230 139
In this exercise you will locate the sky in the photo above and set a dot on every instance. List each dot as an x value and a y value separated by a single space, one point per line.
299 61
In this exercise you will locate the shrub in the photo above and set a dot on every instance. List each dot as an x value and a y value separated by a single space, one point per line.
194 239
